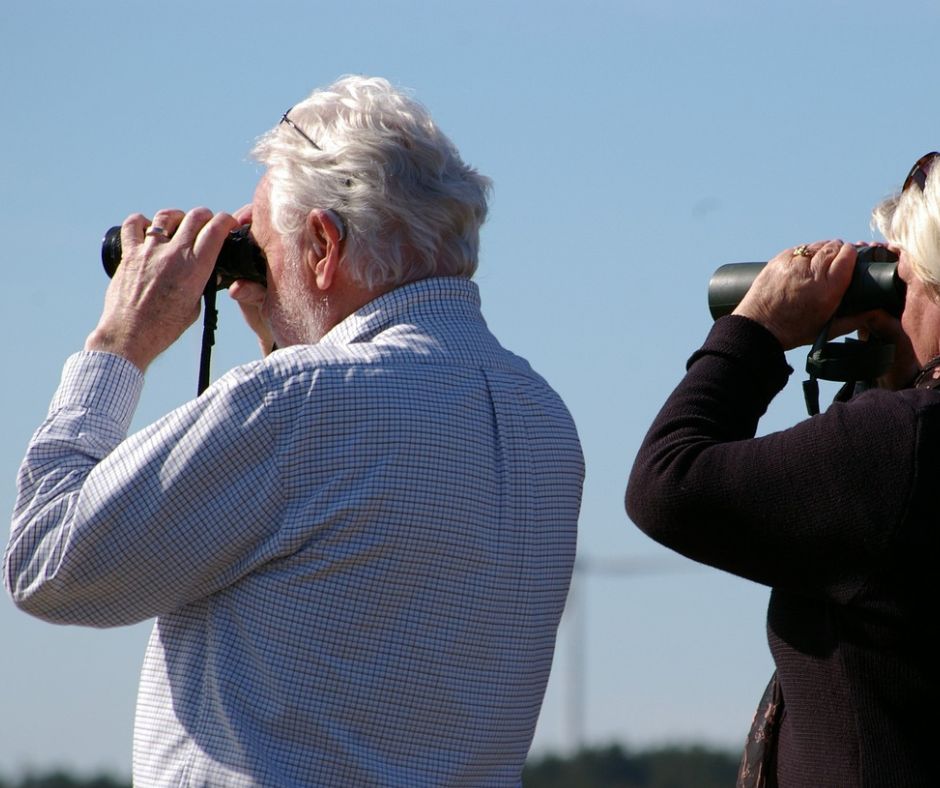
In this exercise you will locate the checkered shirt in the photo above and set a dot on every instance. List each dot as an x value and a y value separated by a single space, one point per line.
357 552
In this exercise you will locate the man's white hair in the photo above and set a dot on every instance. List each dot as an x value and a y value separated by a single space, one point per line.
409 205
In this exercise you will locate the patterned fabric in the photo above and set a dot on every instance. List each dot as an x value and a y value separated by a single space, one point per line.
929 376
357 552
759 762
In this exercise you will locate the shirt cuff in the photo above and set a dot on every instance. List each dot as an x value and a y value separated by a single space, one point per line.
105 383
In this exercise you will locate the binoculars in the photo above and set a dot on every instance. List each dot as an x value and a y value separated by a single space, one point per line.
240 258
875 285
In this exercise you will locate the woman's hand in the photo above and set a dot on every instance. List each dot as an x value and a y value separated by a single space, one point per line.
878 324
799 290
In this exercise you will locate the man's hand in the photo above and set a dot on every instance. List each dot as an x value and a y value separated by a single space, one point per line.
155 293
250 297
799 290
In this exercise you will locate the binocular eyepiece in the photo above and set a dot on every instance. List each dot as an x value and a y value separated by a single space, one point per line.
240 258
875 285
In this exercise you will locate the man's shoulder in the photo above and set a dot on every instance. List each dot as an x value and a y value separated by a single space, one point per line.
397 347
377 369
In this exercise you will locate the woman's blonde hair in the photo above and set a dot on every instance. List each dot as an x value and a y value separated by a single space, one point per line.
910 220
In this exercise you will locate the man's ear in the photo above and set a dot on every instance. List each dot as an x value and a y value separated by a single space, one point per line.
325 233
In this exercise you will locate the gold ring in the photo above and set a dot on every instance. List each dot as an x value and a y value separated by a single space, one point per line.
802 251
156 232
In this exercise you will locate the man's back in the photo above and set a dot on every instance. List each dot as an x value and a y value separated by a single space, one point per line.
369 589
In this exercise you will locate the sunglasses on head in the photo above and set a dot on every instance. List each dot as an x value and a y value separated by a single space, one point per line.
920 170
340 223
295 127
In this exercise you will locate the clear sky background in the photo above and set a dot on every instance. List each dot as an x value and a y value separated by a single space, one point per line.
635 146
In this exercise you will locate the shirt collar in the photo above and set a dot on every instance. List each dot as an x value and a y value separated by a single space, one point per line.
436 296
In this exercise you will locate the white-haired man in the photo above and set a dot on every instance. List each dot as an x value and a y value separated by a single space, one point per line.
357 549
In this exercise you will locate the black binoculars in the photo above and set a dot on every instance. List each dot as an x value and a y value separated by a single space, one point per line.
875 284
240 258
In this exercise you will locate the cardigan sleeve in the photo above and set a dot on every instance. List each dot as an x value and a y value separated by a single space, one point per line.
815 508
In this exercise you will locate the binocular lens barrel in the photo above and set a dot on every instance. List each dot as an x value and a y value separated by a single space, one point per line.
875 285
240 258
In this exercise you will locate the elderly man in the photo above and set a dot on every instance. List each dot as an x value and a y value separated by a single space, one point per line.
357 549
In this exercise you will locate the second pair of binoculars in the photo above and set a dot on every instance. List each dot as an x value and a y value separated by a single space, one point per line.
240 258
875 284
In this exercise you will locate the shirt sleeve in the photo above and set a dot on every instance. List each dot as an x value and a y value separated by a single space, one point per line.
815 508
109 530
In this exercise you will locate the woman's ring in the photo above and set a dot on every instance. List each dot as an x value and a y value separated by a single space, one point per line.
802 251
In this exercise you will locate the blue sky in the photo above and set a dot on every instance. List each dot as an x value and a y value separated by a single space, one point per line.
635 146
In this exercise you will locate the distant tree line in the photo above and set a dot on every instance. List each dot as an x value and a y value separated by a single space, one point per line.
605 767
615 767
60 779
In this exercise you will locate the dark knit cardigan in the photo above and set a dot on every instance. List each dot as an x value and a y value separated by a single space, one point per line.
839 516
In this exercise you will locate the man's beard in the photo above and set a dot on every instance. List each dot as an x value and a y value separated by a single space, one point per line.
301 316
